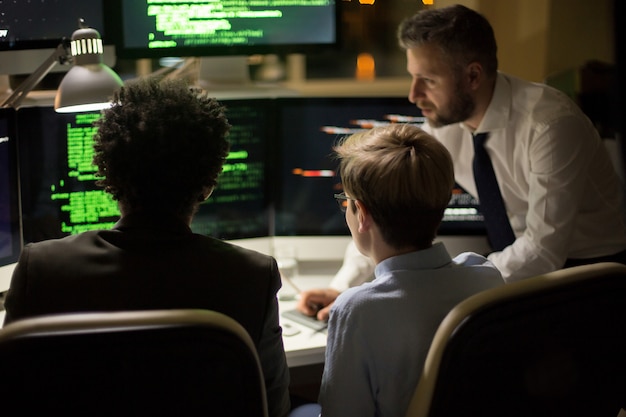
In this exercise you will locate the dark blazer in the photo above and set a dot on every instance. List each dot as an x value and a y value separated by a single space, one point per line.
150 263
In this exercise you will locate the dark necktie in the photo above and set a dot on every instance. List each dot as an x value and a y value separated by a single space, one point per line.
491 204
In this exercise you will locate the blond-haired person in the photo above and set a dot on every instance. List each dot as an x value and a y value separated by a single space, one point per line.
397 182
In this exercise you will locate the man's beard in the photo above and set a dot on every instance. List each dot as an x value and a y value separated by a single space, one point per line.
459 110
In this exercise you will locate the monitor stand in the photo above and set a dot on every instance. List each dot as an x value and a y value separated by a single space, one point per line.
229 77
224 71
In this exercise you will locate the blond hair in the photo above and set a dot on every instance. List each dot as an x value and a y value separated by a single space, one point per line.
403 176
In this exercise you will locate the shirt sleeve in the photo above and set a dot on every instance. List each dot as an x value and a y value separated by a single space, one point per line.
355 270
559 160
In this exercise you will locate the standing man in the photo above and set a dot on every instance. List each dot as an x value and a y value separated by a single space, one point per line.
559 194
560 199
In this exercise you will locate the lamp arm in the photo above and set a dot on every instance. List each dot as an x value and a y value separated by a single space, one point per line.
59 55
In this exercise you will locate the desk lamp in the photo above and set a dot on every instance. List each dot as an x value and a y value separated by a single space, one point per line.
87 86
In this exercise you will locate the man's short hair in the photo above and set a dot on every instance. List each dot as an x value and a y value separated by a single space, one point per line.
462 34
160 146
403 176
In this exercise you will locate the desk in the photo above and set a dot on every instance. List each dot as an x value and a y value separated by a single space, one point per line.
319 259
5 276
307 346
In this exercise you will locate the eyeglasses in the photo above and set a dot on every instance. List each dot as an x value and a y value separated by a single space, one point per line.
342 200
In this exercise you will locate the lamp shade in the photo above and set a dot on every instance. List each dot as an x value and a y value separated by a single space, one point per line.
89 84
86 88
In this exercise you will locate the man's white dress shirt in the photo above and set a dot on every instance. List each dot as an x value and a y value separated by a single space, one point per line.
560 188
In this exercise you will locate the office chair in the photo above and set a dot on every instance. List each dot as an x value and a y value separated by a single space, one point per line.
553 345
152 363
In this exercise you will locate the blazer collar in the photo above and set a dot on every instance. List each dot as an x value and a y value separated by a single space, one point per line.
152 221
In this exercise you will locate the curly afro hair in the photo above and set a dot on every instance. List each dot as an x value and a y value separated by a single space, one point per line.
161 146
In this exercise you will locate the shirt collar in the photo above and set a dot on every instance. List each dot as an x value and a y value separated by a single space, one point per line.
432 258
499 108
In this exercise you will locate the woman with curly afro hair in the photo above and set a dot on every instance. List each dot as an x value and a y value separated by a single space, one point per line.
159 151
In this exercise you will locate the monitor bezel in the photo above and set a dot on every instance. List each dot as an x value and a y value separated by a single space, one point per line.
283 208
14 211
446 228
48 42
30 157
24 56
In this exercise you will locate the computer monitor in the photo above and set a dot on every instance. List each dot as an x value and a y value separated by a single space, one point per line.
31 30
57 178
10 230
60 196
307 178
240 205
155 28
462 216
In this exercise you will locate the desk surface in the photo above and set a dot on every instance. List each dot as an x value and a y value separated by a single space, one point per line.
323 255
304 346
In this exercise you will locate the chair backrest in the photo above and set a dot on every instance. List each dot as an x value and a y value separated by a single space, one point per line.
153 363
553 345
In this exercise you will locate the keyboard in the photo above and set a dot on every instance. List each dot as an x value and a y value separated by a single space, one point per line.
310 322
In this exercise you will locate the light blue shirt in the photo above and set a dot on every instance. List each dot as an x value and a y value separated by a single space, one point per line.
379 332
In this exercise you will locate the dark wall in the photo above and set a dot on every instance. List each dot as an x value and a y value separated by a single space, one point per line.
619 13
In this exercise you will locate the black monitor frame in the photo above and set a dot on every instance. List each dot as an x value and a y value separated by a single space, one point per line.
10 219
238 208
281 134
39 29
58 190
307 129
50 22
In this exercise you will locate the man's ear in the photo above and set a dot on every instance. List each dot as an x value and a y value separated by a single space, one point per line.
363 216
475 75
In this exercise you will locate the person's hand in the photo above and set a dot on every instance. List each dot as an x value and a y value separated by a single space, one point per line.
317 302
